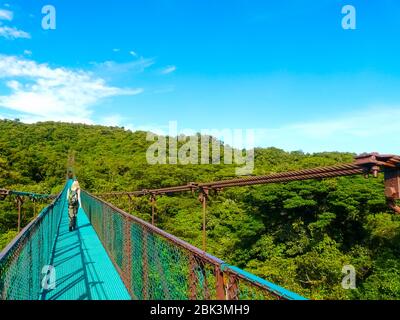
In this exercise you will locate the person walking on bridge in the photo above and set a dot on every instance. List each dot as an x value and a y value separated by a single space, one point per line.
74 202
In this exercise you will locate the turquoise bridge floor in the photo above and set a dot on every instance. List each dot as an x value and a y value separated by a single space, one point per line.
83 269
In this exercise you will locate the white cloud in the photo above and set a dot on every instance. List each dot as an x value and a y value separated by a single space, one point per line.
13 33
10 32
27 52
133 53
111 67
375 129
116 50
43 93
154 128
114 120
13 84
168 69
372 130
6 15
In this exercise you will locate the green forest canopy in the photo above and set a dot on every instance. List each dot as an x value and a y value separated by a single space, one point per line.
298 235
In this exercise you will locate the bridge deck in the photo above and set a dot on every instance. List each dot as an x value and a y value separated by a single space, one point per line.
83 269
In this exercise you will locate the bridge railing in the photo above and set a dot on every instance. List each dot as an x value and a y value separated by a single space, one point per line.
23 260
155 265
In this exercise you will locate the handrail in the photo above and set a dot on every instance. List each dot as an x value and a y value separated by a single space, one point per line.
5 192
24 232
363 164
22 260
366 164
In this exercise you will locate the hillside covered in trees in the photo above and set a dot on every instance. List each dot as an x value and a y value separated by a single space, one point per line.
298 235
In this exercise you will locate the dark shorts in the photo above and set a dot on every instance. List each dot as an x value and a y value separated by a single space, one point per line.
72 211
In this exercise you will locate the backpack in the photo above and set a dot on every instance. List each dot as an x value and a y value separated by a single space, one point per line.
73 197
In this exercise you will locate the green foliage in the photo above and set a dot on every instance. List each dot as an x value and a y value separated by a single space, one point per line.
6 237
298 235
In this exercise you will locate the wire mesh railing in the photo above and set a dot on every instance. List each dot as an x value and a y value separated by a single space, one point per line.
155 265
24 259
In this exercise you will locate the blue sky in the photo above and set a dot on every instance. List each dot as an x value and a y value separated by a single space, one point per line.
286 67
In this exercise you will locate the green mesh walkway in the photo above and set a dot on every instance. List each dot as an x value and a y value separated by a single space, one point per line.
84 270
144 262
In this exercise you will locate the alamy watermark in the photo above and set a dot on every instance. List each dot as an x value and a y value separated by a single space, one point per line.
49 19
349 280
209 146
349 21
50 277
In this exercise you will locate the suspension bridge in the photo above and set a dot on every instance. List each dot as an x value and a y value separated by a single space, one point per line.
114 255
